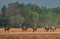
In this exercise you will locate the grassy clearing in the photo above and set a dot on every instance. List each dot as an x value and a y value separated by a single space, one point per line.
31 35
17 33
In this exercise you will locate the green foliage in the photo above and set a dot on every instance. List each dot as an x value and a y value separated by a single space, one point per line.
30 15
16 20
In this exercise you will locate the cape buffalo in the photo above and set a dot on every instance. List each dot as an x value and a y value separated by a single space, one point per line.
52 29
7 29
46 28
24 28
34 29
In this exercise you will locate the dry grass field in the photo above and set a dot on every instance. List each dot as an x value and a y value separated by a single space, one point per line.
18 33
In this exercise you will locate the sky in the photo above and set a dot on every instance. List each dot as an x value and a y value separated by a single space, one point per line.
46 3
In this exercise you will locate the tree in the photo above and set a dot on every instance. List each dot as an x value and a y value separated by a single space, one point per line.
29 15
4 17
16 21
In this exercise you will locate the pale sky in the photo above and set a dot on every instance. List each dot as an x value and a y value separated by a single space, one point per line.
47 3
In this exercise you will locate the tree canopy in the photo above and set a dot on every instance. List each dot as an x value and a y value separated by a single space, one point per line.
30 15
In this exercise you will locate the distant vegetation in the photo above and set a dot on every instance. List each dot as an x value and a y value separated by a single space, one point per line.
29 15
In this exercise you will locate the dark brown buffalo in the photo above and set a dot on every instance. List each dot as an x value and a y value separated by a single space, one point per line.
52 29
7 29
47 28
34 29
24 28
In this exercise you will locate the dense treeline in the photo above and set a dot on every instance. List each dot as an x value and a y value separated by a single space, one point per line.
30 15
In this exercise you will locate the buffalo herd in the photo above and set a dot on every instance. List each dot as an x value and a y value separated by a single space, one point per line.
34 29
50 28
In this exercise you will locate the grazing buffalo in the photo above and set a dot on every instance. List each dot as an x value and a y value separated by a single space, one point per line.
34 29
7 29
46 28
24 28
52 29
